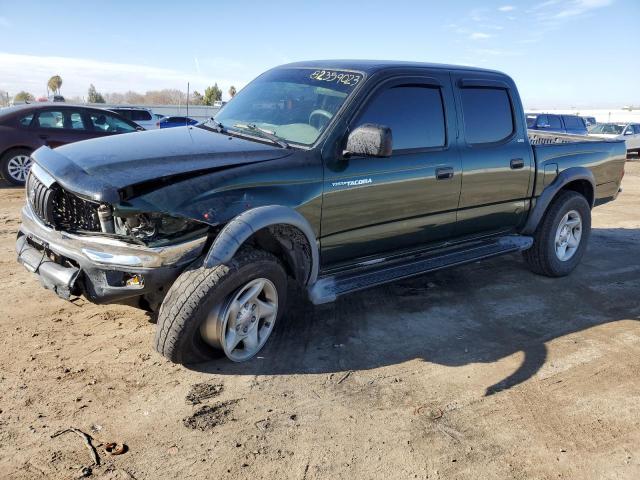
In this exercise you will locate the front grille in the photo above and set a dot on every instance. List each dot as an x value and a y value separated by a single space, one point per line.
71 212
61 209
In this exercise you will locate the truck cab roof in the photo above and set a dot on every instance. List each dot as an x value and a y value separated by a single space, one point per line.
373 66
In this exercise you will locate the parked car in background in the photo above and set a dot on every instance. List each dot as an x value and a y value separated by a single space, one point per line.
589 121
219 104
55 98
25 128
139 115
170 122
549 122
629 132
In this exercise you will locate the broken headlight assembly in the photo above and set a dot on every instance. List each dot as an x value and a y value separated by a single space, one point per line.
157 228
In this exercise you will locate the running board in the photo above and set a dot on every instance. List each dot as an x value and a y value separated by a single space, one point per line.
330 287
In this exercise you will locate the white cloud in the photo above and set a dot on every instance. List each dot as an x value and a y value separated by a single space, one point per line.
507 8
578 7
31 72
479 36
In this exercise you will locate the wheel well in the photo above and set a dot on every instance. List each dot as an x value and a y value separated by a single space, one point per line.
583 187
16 147
290 245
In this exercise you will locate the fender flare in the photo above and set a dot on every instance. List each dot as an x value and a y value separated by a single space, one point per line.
238 230
550 191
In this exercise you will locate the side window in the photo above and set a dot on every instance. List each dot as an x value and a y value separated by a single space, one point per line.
140 115
76 121
50 119
487 114
543 121
554 122
572 122
103 122
636 129
26 120
415 115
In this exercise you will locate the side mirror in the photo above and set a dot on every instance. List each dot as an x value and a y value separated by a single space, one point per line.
370 140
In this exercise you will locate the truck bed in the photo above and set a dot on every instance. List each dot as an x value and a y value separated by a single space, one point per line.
555 152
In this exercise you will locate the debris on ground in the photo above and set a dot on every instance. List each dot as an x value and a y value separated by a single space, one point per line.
210 416
203 391
87 441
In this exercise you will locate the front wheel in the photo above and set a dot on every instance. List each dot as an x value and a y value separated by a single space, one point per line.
230 309
561 238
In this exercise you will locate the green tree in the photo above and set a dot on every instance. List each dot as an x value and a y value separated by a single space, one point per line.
212 94
24 97
54 84
232 91
197 98
93 96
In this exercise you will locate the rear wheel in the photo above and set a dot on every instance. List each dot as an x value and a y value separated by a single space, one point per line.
230 309
15 165
561 238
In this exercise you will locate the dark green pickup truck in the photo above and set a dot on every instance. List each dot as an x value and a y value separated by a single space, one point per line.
337 175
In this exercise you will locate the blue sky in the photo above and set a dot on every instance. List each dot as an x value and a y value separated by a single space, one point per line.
562 53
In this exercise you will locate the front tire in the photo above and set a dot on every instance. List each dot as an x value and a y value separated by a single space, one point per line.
15 165
229 309
561 238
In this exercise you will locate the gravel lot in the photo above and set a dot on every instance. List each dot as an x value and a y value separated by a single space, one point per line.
485 371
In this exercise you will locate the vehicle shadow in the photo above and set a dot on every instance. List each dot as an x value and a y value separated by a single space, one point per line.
479 313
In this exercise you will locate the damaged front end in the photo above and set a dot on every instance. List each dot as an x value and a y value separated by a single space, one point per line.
109 254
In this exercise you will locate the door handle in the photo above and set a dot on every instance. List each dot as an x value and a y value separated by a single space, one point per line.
43 137
517 163
444 173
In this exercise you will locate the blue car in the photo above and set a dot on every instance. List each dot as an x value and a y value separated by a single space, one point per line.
549 122
170 122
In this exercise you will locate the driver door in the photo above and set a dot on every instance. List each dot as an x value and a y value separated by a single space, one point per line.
375 206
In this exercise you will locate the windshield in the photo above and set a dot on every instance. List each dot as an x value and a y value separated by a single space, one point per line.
608 128
295 104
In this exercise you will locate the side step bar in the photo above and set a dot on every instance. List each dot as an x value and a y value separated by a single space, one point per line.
328 288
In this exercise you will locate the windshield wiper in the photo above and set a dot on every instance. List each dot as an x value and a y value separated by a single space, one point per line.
217 126
262 132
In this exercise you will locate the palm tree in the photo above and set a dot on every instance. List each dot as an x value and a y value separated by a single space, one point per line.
232 91
54 84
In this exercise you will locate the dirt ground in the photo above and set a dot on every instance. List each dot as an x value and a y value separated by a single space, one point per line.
485 371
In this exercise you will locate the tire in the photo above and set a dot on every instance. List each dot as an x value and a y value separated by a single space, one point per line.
15 166
543 257
196 303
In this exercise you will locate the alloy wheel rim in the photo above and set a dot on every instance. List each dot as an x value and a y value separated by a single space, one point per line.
568 235
18 167
242 325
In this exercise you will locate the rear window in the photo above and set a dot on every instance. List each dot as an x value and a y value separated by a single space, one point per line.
573 122
487 113
26 120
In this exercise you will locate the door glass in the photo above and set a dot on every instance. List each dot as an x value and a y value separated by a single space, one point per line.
76 121
51 119
487 114
554 122
414 114
26 120
103 122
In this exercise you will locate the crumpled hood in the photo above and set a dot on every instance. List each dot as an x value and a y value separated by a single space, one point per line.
101 167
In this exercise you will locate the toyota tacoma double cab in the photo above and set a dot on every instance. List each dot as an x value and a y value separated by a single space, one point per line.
337 175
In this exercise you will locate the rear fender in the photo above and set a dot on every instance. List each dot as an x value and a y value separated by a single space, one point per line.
550 191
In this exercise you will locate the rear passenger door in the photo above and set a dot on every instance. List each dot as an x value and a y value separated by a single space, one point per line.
375 206
496 156
59 126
